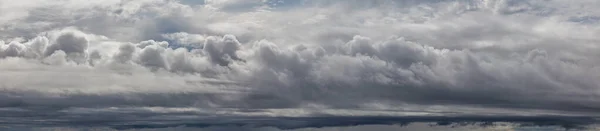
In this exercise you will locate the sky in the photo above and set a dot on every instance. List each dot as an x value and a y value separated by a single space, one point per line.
121 63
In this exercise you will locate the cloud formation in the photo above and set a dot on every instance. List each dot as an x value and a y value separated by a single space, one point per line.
493 57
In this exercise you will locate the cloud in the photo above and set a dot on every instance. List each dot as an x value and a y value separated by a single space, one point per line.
442 57
419 126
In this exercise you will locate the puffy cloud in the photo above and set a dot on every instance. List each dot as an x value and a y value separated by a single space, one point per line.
185 40
125 54
69 42
153 56
222 51
14 49
495 55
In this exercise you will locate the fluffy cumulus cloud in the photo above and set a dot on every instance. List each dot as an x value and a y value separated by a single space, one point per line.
75 60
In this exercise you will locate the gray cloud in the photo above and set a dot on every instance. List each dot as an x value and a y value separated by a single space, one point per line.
520 56
419 126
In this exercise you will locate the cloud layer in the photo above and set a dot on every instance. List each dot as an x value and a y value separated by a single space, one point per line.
299 58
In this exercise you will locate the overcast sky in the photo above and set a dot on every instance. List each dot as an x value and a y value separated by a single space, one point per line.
74 60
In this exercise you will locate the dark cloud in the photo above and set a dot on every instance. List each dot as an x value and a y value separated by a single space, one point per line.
346 123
